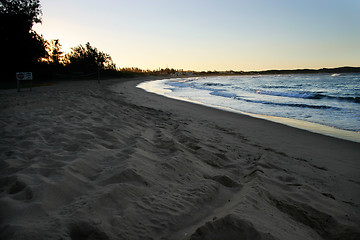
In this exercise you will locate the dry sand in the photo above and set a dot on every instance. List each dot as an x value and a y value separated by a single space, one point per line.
86 161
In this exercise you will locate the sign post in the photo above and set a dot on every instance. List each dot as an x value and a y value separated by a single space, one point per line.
23 76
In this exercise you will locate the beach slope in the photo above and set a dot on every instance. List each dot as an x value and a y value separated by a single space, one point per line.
81 160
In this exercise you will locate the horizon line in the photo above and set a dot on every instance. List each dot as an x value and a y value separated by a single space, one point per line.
245 71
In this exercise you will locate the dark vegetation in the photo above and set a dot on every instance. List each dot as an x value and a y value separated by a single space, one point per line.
24 50
21 46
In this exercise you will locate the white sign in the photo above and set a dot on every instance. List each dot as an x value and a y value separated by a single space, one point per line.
24 76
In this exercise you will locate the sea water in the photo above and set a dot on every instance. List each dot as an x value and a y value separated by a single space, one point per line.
324 103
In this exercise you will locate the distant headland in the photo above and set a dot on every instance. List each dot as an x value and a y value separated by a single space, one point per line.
340 70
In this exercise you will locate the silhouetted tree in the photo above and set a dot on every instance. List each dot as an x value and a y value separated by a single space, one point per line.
88 59
22 47
28 9
54 53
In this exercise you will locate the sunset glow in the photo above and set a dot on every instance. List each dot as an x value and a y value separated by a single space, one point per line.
210 35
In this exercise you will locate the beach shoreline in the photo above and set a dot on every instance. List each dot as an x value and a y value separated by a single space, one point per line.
82 160
321 128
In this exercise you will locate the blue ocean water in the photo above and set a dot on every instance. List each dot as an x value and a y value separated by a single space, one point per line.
329 99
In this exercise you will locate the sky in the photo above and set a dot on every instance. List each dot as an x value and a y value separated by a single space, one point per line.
210 34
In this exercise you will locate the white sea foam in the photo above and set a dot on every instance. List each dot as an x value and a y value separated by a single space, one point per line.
310 102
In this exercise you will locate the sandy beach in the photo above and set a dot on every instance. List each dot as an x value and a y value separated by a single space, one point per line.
82 160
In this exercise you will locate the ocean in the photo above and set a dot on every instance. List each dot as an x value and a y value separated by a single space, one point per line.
323 103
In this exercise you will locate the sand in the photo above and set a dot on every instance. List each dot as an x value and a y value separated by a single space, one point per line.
81 160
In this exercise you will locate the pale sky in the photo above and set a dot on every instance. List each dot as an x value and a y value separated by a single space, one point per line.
210 34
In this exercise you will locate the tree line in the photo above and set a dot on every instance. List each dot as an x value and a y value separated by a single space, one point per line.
24 50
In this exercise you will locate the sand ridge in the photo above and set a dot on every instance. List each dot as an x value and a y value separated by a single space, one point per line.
87 161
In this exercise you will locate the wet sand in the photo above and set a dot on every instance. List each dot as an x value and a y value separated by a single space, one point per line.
81 160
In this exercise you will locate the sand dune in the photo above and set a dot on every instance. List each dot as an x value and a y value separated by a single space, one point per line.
86 161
